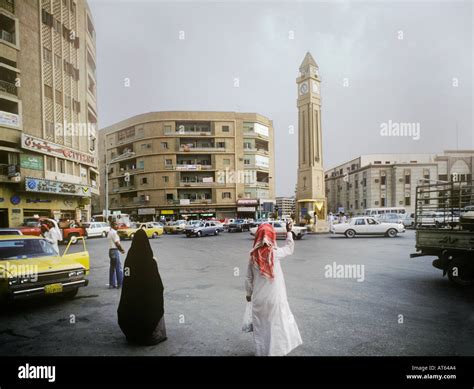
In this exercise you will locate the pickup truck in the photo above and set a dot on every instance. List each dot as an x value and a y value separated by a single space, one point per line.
32 226
452 242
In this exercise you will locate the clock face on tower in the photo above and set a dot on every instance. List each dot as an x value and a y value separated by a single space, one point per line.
315 87
303 88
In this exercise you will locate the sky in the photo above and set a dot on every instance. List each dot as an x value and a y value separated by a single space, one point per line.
383 64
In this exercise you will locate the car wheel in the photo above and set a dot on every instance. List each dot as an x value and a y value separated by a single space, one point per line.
154 236
216 232
350 233
199 234
299 237
104 234
392 233
71 294
73 239
131 236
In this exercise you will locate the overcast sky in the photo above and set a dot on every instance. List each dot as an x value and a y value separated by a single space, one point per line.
380 61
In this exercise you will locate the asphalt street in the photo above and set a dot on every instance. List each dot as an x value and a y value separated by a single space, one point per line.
403 306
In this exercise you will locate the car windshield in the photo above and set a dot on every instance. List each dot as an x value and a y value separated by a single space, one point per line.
25 248
30 223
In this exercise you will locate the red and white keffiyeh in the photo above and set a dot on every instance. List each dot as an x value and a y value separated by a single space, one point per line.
262 252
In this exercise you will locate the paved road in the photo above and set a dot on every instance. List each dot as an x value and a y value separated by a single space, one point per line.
204 303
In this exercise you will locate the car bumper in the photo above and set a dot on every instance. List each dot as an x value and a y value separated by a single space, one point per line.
39 290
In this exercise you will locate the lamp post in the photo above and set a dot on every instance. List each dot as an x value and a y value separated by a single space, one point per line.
107 165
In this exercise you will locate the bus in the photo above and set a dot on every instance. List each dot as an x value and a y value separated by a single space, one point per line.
380 211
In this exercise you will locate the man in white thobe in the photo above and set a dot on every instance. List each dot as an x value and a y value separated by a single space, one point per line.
275 330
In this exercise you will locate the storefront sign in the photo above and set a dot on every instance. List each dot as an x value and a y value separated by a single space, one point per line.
245 209
28 161
146 211
167 212
42 146
15 199
9 119
184 201
56 187
247 202
188 167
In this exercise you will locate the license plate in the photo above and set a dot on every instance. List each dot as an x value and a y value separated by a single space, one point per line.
53 288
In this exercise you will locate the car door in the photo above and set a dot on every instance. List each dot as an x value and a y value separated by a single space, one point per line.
373 226
360 226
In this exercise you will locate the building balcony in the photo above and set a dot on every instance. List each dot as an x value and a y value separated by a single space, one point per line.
125 188
8 5
252 134
8 87
258 151
187 148
189 132
182 167
201 184
257 167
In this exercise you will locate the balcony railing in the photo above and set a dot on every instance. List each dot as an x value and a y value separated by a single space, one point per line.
9 5
188 167
124 188
186 148
8 87
253 134
187 132
7 36
197 183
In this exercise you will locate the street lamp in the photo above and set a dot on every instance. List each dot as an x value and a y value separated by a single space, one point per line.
107 164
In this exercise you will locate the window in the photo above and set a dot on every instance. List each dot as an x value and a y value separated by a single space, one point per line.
141 164
169 196
383 180
127 133
57 62
407 178
166 179
59 97
360 222
61 166
146 146
49 129
145 180
371 221
50 164
48 92
407 200
221 145
168 162
225 128
47 55
226 161
226 195
164 145
247 145
382 202
246 161
167 129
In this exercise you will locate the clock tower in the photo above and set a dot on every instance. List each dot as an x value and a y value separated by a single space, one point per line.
311 200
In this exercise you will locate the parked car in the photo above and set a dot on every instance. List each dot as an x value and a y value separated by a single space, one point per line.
205 228
238 225
176 227
95 229
393 218
437 219
30 266
408 220
153 230
280 229
10 231
190 225
367 226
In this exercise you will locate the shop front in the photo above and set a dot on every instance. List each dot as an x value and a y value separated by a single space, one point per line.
247 208
197 214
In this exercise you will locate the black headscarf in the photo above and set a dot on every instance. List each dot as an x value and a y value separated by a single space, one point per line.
141 303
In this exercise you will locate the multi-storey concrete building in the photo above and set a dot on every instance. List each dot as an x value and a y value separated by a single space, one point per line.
48 113
390 180
188 165
286 206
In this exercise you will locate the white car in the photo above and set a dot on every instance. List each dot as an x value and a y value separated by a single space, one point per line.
95 229
367 226
280 229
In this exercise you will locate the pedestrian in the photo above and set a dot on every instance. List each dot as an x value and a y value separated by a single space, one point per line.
274 327
331 221
343 218
115 248
51 234
141 309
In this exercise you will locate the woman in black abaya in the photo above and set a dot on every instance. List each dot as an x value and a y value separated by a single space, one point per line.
141 311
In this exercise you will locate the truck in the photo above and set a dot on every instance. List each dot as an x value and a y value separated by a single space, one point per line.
451 239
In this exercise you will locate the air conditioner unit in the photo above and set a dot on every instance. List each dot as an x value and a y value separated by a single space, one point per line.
147 198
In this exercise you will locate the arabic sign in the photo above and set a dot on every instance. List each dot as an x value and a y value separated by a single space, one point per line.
28 161
56 187
42 146
9 119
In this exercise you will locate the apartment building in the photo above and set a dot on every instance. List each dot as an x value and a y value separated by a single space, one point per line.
286 206
48 111
174 165
390 180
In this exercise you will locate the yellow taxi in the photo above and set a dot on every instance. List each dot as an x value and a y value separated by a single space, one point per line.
31 266
153 230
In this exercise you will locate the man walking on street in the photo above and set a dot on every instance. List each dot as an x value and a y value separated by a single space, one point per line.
115 248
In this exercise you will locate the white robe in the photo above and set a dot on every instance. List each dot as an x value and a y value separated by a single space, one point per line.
274 328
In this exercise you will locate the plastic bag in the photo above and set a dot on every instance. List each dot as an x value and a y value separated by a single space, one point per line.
247 325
